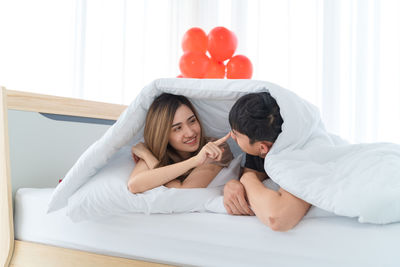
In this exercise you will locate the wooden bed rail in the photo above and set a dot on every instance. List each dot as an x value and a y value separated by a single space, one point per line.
6 211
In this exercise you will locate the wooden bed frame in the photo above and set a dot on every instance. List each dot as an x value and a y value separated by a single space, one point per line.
20 253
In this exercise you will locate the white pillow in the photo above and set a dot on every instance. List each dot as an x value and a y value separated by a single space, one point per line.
106 192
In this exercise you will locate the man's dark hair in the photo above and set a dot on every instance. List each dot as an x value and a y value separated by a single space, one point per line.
257 116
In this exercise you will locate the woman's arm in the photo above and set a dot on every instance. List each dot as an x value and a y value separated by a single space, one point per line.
140 151
200 177
143 180
140 166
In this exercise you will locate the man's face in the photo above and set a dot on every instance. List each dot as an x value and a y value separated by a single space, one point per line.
244 143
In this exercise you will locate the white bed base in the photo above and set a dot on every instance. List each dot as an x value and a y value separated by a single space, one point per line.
20 253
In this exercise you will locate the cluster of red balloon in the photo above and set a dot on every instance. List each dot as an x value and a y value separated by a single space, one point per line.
221 44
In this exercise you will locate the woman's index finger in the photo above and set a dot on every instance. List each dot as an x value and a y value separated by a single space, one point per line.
223 139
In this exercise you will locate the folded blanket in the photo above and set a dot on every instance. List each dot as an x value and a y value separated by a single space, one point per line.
352 180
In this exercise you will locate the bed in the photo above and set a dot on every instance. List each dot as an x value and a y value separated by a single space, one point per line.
31 237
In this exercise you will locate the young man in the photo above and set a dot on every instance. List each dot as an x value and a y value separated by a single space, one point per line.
256 123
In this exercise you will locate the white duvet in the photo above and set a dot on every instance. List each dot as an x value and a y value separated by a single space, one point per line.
351 180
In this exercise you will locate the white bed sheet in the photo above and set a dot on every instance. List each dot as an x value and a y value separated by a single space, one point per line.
205 239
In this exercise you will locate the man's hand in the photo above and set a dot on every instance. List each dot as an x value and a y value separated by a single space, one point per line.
235 199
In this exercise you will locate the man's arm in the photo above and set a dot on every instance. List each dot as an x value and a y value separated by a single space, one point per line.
280 210
235 199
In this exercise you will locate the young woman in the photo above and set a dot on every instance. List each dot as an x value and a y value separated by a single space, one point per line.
176 153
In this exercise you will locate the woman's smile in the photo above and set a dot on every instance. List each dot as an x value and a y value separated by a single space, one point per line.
192 141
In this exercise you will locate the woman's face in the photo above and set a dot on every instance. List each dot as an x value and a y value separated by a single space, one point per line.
185 131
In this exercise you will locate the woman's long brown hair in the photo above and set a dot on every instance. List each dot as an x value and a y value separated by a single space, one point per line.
159 120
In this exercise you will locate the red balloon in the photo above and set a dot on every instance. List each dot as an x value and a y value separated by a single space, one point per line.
194 40
193 64
215 70
239 67
222 43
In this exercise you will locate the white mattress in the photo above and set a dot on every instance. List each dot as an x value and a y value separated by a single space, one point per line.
210 239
